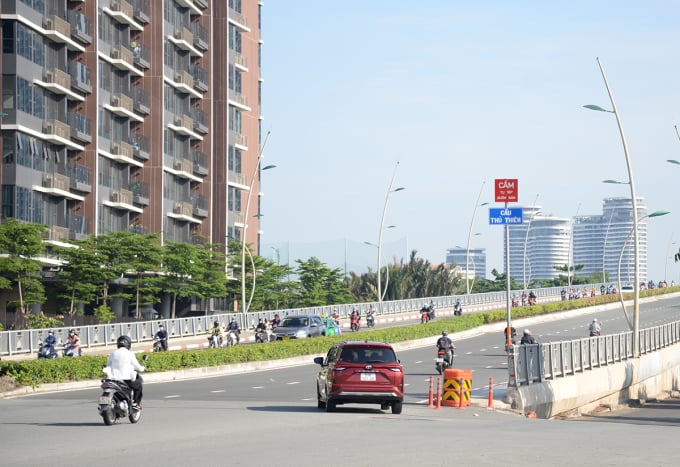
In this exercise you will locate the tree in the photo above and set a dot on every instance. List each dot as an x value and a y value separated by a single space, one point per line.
320 285
80 274
21 243
180 267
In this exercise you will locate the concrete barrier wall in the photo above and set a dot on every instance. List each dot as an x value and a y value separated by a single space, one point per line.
651 376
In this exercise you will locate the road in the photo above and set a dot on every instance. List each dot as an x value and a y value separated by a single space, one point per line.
270 417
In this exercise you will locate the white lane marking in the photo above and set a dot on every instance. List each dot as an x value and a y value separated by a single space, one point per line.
258 387
419 361
482 350
294 382
425 401
468 353
307 399
172 397
219 390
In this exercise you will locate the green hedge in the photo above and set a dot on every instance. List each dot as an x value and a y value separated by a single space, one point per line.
36 372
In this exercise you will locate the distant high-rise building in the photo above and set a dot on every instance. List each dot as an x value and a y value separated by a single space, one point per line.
475 266
602 241
537 246
132 115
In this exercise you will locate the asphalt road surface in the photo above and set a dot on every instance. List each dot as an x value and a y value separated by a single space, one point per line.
270 418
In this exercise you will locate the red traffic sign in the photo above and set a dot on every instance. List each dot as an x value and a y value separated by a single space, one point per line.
506 190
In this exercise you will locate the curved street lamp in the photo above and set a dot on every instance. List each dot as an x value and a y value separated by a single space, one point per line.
526 240
380 233
467 254
636 238
636 286
244 305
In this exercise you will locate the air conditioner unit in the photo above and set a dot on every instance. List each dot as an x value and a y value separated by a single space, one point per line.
49 129
115 197
115 101
178 77
177 165
48 24
178 121
115 53
177 208
115 148
49 76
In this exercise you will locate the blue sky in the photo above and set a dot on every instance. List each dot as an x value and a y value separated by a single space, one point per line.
460 93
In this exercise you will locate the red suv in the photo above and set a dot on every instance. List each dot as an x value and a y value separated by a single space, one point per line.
361 373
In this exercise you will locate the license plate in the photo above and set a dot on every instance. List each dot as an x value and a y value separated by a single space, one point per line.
439 360
285 338
103 400
367 376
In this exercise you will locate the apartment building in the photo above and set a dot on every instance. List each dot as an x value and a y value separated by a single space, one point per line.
138 115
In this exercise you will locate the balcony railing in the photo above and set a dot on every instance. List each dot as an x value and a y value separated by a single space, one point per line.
80 126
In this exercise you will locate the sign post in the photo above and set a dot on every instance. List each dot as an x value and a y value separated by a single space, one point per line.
506 190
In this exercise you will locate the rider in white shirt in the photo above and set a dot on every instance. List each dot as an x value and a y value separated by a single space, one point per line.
122 365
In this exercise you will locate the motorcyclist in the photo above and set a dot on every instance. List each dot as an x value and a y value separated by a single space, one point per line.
276 321
370 318
233 327
595 328
50 343
532 298
355 318
73 340
216 333
527 338
458 308
446 344
261 330
162 336
425 313
122 365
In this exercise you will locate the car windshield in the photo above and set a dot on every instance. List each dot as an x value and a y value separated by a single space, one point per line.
368 355
295 322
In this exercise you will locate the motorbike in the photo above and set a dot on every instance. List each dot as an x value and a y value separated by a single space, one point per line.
232 338
47 351
116 402
157 345
214 341
68 351
594 333
457 309
355 324
370 320
442 362
264 335
425 316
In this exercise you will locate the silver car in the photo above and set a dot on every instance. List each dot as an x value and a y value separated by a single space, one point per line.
300 326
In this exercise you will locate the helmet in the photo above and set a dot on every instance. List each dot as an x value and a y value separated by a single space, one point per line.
216 323
526 331
72 331
50 332
445 333
160 326
594 320
124 341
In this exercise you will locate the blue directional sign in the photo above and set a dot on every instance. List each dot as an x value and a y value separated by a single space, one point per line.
506 216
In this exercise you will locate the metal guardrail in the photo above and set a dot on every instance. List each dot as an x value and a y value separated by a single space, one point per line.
536 363
28 340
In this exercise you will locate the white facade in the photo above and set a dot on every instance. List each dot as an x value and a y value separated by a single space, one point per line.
601 241
476 263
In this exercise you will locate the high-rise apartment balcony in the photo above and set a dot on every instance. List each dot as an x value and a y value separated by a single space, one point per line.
141 11
124 13
78 228
183 209
241 62
183 165
123 106
140 192
56 181
204 4
123 149
200 36
54 128
200 121
183 38
239 100
185 83
238 20
200 78
81 28
57 233
241 141
80 77
200 163
195 10
142 55
124 59
80 127
184 125
80 179
141 100
140 147
121 196
200 206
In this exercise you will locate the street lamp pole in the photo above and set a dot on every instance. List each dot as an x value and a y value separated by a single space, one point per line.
604 247
467 254
526 240
244 306
636 239
618 272
380 233
571 242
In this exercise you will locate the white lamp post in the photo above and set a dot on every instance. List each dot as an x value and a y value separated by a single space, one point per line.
244 306
636 239
467 254
380 233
